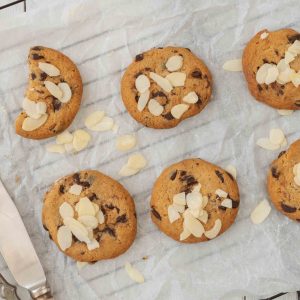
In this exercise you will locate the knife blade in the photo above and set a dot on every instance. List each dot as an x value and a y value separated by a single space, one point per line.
18 251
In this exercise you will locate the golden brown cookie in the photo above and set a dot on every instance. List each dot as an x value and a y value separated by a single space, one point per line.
164 86
283 182
204 196
269 49
68 202
61 108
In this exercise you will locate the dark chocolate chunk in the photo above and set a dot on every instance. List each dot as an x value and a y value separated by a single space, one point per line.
45 227
158 94
188 49
220 175
155 213
33 76
173 175
297 102
230 176
93 197
168 116
281 153
43 76
56 104
139 57
235 203
182 173
50 237
275 173
222 207
112 207
259 87
265 61
288 209
110 231
293 38
84 184
76 178
62 189
36 48
160 47
121 219
276 52
36 56
138 74
196 74
136 98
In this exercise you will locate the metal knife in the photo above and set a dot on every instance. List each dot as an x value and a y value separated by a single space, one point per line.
18 252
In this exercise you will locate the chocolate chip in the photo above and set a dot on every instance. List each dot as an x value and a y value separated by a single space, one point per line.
45 227
281 92
168 116
196 74
138 74
297 102
158 94
121 219
288 209
275 173
33 76
293 38
220 175
36 56
37 48
265 61
259 87
222 207
50 237
43 76
136 98
230 176
62 189
85 184
110 231
93 197
173 175
188 49
56 104
76 178
160 47
281 153
139 57
112 207
182 173
235 203
82 253
276 52
155 213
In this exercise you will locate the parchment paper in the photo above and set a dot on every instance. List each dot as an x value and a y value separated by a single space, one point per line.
102 37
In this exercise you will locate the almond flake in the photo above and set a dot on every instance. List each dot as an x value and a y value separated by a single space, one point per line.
81 264
106 124
285 76
136 161
204 201
233 65
155 108
41 107
69 147
178 110
212 233
80 140
295 48
195 212
143 100
179 199
64 237
126 142
227 203
261 212
176 78
191 98
53 89
66 210
231 170
295 78
92 245
196 188
264 35
193 225
272 74
49 69
75 189
221 193
126 171
85 207
162 82
64 138
100 217
203 217
289 57
285 112
33 109
296 169
53 148
134 273
262 73
78 230
179 208
142 83
30 124
266 144
184 234
88 221
173 215
94 118
174 63
276 136
297 180
194 201
282 66
96 207
66 92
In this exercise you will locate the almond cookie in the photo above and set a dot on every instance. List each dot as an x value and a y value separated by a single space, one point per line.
271 66
89 216
53 94
194 201
164 86
284 182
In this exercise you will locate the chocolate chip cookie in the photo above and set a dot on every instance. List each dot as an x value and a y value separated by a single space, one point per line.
89 216
271 64
194 201
284 182
164 86
53 94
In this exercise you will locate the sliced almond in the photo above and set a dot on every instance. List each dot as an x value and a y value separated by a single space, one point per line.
203 217
295 47
66 210
184 234
85 207
179 208
296 169
261 212
49 69
204 201
191 98
176 78
96 207
197 188
54 148
276 136
69 147
31 109
264 35
221 193
162 82
53 89
285 76
80 139
126 142
88 221
272 74
155 108
282 66
134 273
136 161
41 107
143 100
66 92
78 230
30 124
75 189
173 214
142 83
262 73
289 57
193 225
100 217
295 78
266 144
64 138
106 124
174 63
179 199
297 180
226 203
233 65
231 170
178 110
285 112
194 201
81 264
212 233
94 118
195 212
126 171
92 245
64 237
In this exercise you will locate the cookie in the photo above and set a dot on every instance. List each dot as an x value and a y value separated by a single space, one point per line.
270 64
80 198
164 86
49 108
283 182
194 201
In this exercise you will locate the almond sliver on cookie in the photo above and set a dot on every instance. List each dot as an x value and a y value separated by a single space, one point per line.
179 199
134 273
190 98
162 82
221 193
126 142
193 225
49 69
203 217
92 245
53 89
66 92
75 189
30 108
85 207
261 212
142 83
30 124
143 100
155 108
184 234
262 73
178 110
176 78
100 217
173 214
174 63
226 203
77 229
231 170
64 237
297 180
94 118
233 65
66 210
212 233
88 221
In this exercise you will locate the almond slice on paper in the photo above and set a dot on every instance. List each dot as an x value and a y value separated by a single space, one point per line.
193 225
30 124
231 170
174 63
143 100
233 65
125 142
69 147
212 233
64 138
94 118
100 217
285 112
226 203
190 98
221 193
203 217
81 264
85 207
126 171
134 273
142 83
176 78
66 210
115 128
53 89
173 214
194 201
261 212
64 237
265 143
264 35
184 234
155 108
136 161
106 124
93 244
80 139
178 110
49 69
54 148
78 230
88 221
276 136
75 189
179 208
162 82
179 199
66 92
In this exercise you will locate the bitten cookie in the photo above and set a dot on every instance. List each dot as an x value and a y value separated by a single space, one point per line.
271 64
89 216
194 201
164 86
53 94
284 182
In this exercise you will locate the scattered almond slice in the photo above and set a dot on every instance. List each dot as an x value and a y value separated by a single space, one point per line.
96 207
178 110
85 207
75 189
88 221
134 273
265 143
155 108
53 89
136 161
80 139
174 63
221 193
231 170
106 124
77 229
69 147
261 212
162 82
276 136
143 100
64 138
212 233
184 234
193 225
194 201
126 142
173 214
64 237
289 57
264 35
233 65
142 83
54 148
179 199
179 208
126 171
227 203
100 217
30 124
190 98
203 217
176 78
285 112
66 210
92 245
49 69
94 118
81 264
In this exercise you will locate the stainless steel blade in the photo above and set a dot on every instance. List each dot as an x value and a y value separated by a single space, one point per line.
16 246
